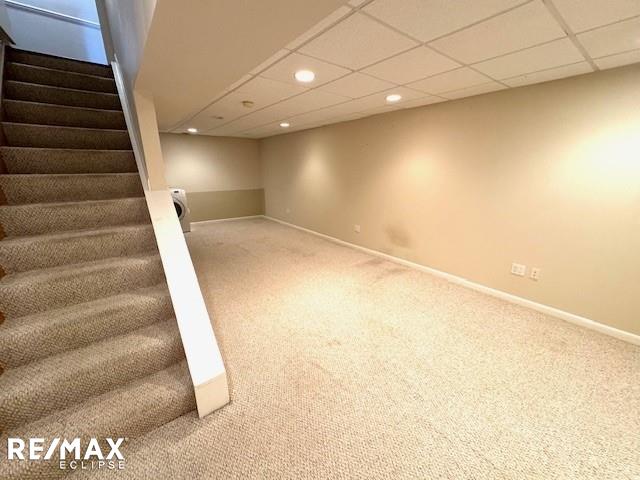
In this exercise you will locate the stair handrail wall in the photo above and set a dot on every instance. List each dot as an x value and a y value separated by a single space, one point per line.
206 366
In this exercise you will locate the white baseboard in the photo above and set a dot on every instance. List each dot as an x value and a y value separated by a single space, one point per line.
218 220
554 312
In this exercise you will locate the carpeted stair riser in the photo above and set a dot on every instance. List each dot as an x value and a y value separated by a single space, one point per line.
24 160
52 250
32 92
47 136
43 60
59 78
20 189
29 338
39 218
71 284
128 412
32 391
19 111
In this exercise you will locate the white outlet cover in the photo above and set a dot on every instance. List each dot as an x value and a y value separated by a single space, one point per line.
356 228
518 269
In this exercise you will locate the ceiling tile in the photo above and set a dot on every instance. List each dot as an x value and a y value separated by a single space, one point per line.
551 74
553 54
357 42
285 69
421 102
618 60
430 19
261 91
311 100
617 38
319 27
446 82
475 90
583 15
520 28
270 61
356 85
413 65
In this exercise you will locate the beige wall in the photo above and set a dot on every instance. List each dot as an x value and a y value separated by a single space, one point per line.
546 175
221 175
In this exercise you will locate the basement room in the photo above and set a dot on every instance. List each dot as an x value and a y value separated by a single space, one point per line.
363 239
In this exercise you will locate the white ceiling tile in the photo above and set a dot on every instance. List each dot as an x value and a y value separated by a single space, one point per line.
265 91
553 54
475 90
312 100
520 28
413 65
319 27
446 82
356 42
421 102
551 74
286 68
583 15
430 19
270 61
618 60
356 85
617 38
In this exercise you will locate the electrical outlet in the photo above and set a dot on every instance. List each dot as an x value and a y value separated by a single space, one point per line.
518 269
356 228
287 210
535 273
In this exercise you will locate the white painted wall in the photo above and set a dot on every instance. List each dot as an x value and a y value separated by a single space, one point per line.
67 28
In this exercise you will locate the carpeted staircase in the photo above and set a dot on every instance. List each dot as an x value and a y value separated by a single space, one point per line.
88 343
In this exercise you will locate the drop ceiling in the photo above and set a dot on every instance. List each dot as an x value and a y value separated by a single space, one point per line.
427 51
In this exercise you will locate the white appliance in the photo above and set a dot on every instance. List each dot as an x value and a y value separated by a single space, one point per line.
182 209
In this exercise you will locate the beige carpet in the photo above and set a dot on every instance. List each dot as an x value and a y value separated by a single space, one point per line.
345 366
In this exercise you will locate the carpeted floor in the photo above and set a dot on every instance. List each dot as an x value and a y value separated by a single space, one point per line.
343 365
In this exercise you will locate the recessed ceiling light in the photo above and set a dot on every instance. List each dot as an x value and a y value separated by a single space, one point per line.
285 125
192 130
305 76
393 98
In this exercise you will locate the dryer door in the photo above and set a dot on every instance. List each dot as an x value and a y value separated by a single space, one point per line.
180 209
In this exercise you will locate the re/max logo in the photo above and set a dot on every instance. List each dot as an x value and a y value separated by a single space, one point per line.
37 449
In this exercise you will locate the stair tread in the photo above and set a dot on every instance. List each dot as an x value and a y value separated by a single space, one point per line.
129 411
30 337
38 388
64 78
98 130
88 76
48 274
70 234
55 87
66 107
28 57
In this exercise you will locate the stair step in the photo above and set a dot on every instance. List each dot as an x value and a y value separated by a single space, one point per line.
41 188
22 254
58 63
40 290
33 92
38 218
29 338
19 111
26 160
130 412
58 78
49 136
32 391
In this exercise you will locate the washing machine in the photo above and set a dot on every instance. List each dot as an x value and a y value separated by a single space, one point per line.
182 208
